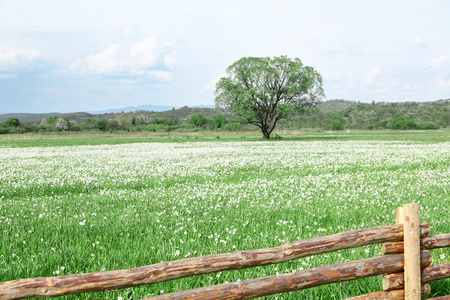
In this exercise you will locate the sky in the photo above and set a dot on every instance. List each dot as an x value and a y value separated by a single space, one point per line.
70 56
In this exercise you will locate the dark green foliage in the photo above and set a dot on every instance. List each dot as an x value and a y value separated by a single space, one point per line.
261 91
152 127
427 125
402 123
102 124
88 124
12 122
218 121
337 125
52 120
197 120
165 121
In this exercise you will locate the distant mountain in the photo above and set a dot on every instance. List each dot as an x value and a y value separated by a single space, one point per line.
134 108
26 116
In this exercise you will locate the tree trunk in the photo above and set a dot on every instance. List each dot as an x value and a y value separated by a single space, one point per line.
265 133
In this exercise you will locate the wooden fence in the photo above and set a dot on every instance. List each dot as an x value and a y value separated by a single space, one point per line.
406 269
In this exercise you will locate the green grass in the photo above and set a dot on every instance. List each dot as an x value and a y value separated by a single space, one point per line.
99 138
85 203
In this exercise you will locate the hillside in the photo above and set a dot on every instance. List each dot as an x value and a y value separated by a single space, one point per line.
357 115
335 114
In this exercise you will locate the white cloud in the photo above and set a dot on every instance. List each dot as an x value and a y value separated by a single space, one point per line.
14 61
370 75
212 83
417 39
128 30
163 75
169 61
144 52
146 57
443 84
436 63
14 57
101 63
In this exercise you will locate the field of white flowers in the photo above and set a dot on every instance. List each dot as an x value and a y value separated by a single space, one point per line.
78 209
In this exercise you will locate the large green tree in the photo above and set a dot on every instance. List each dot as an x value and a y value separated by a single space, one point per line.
263 90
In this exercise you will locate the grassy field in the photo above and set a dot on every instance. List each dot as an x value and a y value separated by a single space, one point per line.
92 202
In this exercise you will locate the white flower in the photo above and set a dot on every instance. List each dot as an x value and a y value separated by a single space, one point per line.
82 223
442 256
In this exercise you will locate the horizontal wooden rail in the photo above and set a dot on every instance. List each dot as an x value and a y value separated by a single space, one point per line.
441 298
271 285
100 281
426 243
390 295
431 273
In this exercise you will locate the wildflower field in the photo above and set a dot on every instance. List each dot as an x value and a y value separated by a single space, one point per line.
88 208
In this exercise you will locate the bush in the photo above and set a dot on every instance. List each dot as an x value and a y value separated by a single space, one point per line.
337 125
12 122
16 130
427 126
102 124
402 123
152 127
232 126
197 120
165 121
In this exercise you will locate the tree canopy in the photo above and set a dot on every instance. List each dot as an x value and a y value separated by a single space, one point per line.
263 90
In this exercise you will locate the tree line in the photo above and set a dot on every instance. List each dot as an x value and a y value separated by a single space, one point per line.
328 115
133 121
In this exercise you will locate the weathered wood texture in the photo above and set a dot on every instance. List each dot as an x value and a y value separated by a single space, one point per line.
390 295
400 216
441 298
100 281
426 243
270 285
412 251
431 273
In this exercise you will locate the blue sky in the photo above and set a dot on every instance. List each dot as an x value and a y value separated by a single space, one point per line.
68 56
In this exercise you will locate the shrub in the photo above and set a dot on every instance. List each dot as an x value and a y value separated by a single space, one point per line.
102 124
232 126
402 123
152 127
12 122
165 121
337 125
427 126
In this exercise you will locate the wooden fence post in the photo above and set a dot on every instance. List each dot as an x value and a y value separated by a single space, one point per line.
412 251
400 216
